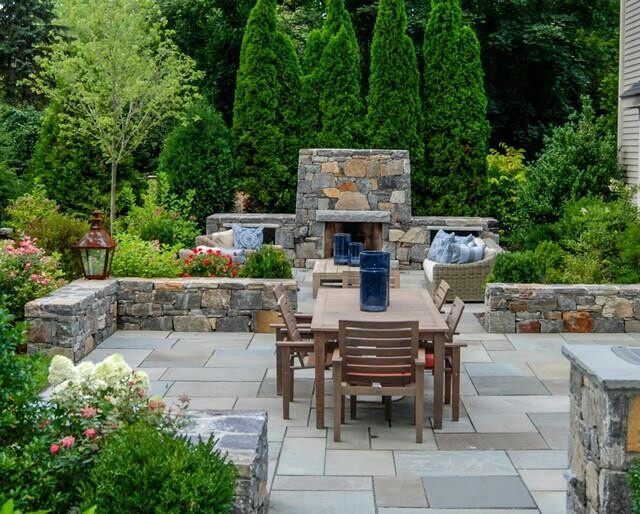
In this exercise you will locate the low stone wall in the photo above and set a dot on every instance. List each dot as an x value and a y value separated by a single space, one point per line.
532 308
73 319
199 305
77 317
242 436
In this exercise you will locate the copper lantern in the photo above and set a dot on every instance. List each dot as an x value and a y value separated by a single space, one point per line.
96 250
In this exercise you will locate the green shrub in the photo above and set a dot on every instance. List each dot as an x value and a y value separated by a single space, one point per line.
197 156
633 479
628 245
517 267
551 260
267 262
19 129
135 257
30 206
163 216
142 470
579 159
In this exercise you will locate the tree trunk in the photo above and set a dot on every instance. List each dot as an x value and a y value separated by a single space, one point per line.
112 213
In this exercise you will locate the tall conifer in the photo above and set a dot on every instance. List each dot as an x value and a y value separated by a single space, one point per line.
266 112
394 107
456 127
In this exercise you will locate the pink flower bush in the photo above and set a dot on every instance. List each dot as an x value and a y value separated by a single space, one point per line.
26 273
67 442
54 448
90 433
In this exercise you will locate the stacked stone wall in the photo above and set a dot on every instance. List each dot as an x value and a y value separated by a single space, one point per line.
533 308
73 319
597 482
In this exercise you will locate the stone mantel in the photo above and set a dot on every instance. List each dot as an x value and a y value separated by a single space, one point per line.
604 367
354 216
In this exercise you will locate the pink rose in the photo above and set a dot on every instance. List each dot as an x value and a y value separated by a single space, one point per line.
68 441
88 412
90 433
54 448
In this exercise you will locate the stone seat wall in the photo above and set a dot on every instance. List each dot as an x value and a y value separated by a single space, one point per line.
532 308
75 318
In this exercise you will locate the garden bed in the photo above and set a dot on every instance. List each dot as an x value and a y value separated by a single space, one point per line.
534 308
76 318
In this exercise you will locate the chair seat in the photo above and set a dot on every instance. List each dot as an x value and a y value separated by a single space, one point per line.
429 360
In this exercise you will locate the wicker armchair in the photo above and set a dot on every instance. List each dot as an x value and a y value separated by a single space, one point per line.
467 281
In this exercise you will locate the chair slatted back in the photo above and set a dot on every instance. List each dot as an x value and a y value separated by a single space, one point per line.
440 296
453 318
351 278
289 317
279 291
378 352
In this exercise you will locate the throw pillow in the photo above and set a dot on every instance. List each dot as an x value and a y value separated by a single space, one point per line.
464 240
249 238
222 239
438 245
462 254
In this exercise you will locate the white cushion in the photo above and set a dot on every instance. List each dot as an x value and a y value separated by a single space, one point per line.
222 239
429 267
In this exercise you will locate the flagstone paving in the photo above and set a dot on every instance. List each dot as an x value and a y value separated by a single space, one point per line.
506 455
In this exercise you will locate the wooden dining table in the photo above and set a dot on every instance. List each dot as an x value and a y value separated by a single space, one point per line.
333 305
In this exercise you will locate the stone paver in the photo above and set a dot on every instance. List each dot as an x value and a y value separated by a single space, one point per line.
511 437
477 492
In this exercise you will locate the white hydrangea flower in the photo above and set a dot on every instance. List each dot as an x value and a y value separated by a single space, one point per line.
112 370
61 369
85 370
142 379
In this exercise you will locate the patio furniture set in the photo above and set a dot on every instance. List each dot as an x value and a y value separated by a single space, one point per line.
371 353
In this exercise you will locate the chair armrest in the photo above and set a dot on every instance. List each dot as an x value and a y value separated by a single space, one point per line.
336 359
422 356
303 318
455 345
294 344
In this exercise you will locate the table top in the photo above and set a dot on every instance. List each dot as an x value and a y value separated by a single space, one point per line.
328 266
333 305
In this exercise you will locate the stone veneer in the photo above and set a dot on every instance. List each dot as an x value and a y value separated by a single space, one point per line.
242 437
75 318
604 436
358 186
532 308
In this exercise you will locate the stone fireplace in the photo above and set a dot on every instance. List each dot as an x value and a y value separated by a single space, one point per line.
363 192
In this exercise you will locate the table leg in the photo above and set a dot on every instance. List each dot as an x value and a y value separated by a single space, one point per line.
438 379
319 349
316 284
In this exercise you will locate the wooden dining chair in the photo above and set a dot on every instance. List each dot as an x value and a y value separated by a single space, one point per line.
440 296
452 359
351 278
378 358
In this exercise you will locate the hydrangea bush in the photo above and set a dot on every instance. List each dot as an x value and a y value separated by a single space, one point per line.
26 273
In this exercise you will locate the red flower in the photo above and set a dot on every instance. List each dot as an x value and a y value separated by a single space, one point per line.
206 262
234 273
209 251
54 448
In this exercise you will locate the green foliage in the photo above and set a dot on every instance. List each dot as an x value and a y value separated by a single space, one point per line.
518 267
10 187
197 157
266 113
338 76
159 217
456 128
394 105
210 32
579 159
18 388
118 66
628 245
135 257
633 479
506 172
24 25
145 471
19 129
267 262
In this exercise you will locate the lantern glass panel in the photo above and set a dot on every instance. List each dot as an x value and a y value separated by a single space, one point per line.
94 261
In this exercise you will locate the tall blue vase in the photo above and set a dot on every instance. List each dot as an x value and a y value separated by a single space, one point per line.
341 248
355 249
376 259
373 289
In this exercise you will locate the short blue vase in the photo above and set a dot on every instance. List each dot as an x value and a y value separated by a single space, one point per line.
354 254
341 244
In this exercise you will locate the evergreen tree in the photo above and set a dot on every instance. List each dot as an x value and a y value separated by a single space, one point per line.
197 156
266 112
456 127
394 107
331 87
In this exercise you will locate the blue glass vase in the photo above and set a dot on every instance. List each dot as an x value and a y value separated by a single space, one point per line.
373 289
377 260
341 244
354 253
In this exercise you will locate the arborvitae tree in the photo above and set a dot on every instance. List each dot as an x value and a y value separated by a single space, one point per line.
456 127
394 107
266 112
331 86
